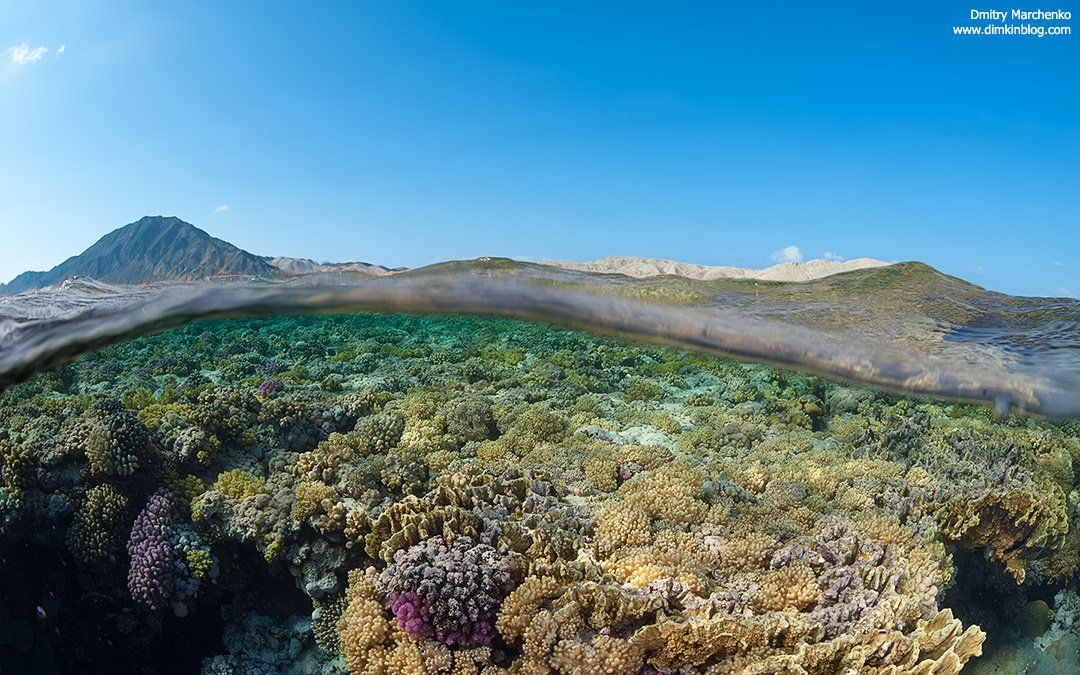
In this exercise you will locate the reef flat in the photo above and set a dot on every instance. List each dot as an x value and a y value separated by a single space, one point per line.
398 494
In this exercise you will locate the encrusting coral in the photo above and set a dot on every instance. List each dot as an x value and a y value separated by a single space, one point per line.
457 495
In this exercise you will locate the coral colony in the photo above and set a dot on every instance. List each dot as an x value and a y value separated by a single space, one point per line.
372 495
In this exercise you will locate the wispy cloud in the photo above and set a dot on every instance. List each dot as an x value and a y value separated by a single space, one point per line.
832 255
23 54
1063 292
61 49
222 208
1057 263
787 254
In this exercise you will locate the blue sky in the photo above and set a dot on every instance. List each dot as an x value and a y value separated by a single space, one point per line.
404 133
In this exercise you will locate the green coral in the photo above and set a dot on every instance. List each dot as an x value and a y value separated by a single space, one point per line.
117 444
17 466
379 433
643 391
238 484
98 528
199 562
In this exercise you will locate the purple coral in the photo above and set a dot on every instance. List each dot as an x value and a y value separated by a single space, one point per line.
448 592
268 387
412 612
151 579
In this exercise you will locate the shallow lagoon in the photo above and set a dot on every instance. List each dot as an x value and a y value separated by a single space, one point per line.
366 493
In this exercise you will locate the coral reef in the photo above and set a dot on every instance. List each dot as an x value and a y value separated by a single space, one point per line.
457 495
449 592
151 578
168 560
96 530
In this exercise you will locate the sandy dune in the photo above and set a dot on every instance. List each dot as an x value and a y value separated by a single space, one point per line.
634 266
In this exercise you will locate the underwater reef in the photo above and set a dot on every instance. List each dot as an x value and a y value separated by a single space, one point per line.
371 494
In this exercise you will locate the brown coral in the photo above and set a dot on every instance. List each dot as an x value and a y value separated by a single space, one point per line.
789 587
369 644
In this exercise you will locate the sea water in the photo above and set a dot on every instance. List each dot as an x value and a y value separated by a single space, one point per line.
270 477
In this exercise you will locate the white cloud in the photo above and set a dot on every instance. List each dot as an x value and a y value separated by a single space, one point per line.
1063 292
222 208
61 49
832 255
787 254
23 54
1057 263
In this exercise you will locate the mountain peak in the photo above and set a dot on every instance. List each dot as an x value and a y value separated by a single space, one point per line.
157 225
153 248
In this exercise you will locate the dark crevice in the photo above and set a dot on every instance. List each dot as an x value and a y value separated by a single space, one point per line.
58 617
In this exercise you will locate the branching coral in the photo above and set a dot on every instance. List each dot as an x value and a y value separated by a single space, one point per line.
117 443
369 644
449 592
168 560
151 578
668 512
17 466
97 531
238 484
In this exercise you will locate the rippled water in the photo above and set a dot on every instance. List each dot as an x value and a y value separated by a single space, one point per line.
349 476
905 327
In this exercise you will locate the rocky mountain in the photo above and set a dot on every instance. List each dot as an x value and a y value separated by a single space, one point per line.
154 248
634 266
165 248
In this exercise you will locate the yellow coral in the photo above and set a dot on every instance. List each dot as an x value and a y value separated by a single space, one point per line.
309 495
748 552
789 587
643 567
522 605
199 562
601 473
369 644
672 495
1013 524
618 525
238 484
603 655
